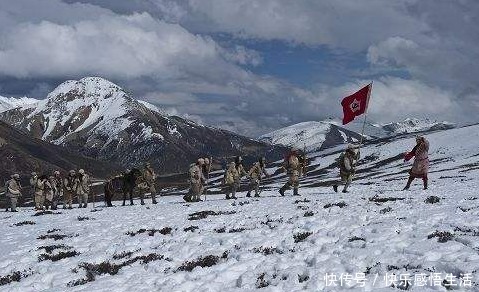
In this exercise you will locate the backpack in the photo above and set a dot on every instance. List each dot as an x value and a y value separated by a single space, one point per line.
193 171
47 186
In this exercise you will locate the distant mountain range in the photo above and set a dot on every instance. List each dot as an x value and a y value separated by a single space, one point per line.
96 118
8 103
319 135
414 126
311 135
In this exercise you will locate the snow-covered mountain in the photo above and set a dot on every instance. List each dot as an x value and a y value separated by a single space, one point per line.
311 135
8 103
415 125
325 134
99 119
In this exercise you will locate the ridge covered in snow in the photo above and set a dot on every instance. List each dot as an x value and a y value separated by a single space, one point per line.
318 135
415 125
311 135
8 103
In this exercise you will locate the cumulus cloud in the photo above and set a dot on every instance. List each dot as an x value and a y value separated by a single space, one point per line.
120 46
344 23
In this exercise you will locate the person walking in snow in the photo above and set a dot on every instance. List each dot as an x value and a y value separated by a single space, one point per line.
233 177
69 186
82 188
149 176
48 190
294 168
39 196
420 166
14 191
347 168
254 174
229 180
196 181
37 187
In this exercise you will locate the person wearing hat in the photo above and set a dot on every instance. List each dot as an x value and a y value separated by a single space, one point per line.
232 178
347 169
69 187
39 196
254 174
48 190
229 180
420 166
294 169
196 181
82 188
149 176
37 191
14 191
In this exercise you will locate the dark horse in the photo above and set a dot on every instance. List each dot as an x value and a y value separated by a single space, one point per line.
129 180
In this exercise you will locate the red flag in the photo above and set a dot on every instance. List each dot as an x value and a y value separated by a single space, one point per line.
355 104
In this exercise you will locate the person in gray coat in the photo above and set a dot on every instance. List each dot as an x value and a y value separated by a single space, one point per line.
14 191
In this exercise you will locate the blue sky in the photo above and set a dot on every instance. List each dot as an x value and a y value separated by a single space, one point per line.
252 66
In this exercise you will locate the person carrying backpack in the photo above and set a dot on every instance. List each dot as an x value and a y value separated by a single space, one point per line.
347 168
255 173
48 191
82 188
14 191
39 196
294 166
196 181
69 186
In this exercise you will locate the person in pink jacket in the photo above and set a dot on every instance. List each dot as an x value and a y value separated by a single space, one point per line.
420 166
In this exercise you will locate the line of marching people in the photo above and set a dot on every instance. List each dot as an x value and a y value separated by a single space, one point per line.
49 190
295 164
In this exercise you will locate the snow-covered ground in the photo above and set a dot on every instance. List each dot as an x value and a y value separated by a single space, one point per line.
376 232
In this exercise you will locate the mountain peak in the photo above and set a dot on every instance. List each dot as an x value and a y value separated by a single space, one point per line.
87 87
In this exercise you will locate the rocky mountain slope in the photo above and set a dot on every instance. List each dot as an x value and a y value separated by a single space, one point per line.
97 118
23 154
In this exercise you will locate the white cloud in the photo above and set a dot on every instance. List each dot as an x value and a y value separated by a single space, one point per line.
118 46
342 23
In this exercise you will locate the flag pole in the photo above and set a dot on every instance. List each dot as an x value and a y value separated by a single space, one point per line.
365 115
